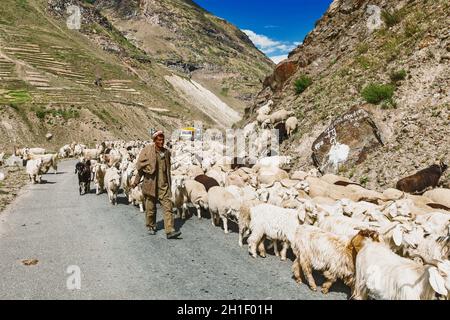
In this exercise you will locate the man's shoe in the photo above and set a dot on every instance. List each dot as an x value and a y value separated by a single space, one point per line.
151 231
173 235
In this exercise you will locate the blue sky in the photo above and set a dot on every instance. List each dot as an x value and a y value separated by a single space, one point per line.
275 26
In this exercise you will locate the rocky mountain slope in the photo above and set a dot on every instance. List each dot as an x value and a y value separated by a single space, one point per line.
183 36
48 71
364 51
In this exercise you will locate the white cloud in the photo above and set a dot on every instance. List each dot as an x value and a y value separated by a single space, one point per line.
261 41
278 50
278 59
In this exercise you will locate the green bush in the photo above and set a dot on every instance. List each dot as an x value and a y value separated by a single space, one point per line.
391 18
362 48
363 180
397 76
411 28
302 83
376 93
40 113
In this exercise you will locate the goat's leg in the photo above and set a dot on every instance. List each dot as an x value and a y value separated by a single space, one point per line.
307 271
199 211
184 210
253 241
330 279
213 218
241 235
297 270
284 250
275 247
141 206
261 247
225 225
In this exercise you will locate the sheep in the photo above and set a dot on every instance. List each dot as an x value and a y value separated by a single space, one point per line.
280 115
291 125
275 194
265 109
217 174
342 225
242 194
222 205
382 274
274 222
320 188
208 182
36 151
91 153
234 180
111 159
249 128
245 173
299 175
265 124
33 169
272 162
262 118
393 194
48 160
422 180
316 249
136 197
244 220
127 176
112 184
99 171
261 143
179 196
197 196
440 196
268 176
78 150
194 171
65 151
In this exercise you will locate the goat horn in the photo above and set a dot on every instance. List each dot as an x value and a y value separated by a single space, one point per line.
388 203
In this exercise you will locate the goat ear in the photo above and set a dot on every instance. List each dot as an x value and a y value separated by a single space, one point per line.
437 282
302 215
397 235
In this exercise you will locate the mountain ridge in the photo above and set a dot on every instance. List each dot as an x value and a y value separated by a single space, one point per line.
48 74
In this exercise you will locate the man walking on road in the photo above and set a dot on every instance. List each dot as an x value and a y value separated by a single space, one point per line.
154 165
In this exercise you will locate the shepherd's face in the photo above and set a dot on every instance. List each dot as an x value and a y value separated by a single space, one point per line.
159 141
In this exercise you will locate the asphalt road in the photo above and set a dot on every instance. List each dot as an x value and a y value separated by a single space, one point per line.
118 260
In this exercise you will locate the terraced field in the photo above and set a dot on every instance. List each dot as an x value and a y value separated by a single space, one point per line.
48 75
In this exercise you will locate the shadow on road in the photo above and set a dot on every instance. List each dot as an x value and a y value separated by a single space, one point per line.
122 200
47 182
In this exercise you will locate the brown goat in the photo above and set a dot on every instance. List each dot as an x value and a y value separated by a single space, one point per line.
208 182
419 182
